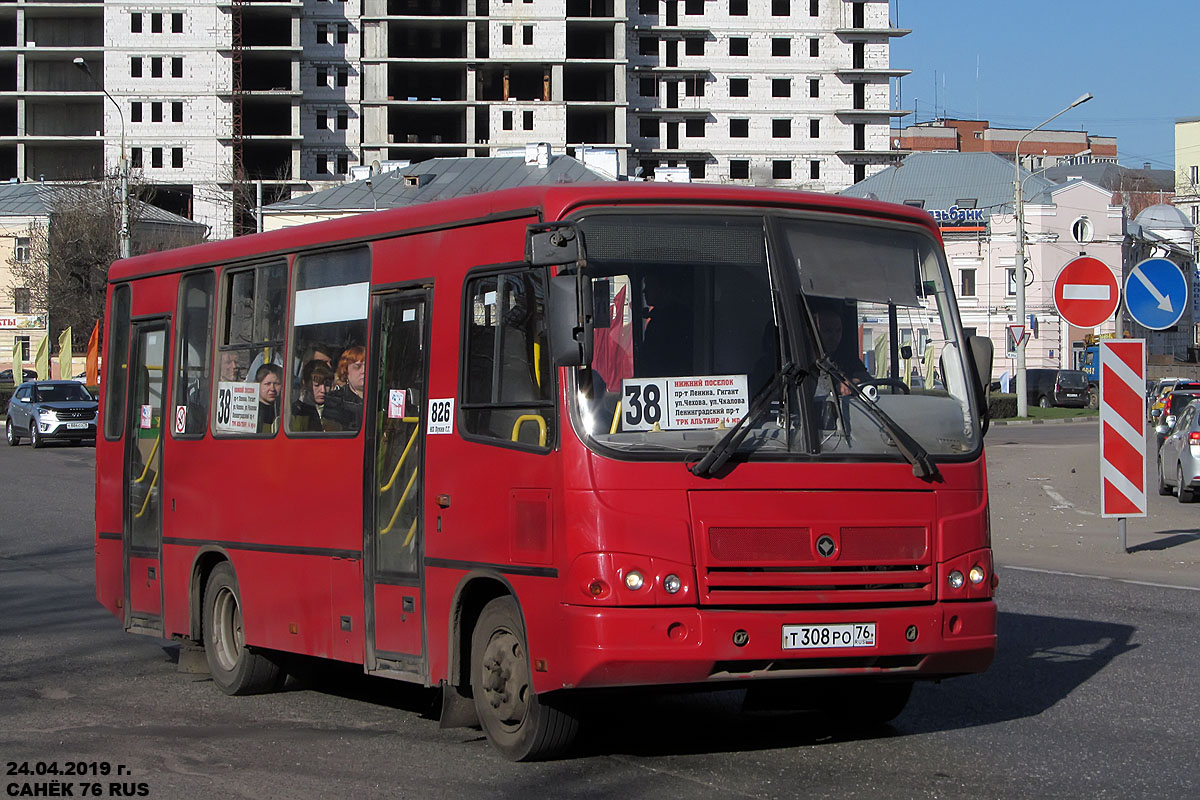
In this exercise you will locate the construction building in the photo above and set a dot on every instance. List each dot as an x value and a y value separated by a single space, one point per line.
230 105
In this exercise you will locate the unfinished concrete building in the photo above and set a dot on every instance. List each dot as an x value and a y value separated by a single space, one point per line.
225 105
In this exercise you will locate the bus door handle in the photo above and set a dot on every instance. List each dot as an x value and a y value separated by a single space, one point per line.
442 500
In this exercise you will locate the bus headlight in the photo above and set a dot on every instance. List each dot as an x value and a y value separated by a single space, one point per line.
955 579
976 575
634 580
671 584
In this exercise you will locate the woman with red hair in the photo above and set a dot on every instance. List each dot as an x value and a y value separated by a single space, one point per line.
344 404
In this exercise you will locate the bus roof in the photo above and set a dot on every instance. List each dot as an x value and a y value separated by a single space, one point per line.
547 202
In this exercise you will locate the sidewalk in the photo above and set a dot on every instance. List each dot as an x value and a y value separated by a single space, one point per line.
1046 515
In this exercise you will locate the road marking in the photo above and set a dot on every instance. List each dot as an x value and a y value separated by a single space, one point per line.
1062 502
1105 578
1085 291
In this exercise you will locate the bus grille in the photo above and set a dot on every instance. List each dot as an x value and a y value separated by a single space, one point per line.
783 565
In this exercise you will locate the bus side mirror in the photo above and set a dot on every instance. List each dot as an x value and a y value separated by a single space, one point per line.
551 244
981 352
571 316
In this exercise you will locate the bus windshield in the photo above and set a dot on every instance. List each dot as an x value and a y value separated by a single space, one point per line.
698 312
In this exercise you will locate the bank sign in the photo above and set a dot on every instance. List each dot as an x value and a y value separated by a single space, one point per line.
958 216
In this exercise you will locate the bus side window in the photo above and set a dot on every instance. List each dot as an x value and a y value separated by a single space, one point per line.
116 362
328 337
249 392
508 380
192 382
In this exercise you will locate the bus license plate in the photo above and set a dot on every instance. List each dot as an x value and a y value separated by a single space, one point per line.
805 637
77 426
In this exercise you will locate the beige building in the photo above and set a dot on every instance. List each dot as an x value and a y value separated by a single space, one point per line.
1187 169
26 207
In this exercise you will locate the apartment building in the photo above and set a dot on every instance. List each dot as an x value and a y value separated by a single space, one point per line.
229 105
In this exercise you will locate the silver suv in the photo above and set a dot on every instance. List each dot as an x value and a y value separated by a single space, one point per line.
45 410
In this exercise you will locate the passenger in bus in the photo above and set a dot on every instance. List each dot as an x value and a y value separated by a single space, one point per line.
308 412
344 404
270 381
228 369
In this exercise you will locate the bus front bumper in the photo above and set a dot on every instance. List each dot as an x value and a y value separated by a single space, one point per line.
655 646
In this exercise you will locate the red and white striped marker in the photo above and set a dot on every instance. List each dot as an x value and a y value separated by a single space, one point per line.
1122 435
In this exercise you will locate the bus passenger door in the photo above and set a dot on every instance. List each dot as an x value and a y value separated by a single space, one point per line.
393 548
143 477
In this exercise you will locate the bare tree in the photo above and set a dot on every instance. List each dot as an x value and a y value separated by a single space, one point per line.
66 268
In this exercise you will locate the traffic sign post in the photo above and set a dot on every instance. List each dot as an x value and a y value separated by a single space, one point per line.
1016 335
1086 293
1156 293
1122 440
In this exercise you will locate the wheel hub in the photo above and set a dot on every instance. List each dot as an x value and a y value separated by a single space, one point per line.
505 679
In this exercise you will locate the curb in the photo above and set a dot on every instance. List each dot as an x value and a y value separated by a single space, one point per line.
1044 421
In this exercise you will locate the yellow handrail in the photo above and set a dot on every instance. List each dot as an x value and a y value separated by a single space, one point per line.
146 502
616 417
541 423
403 455
153 450
403 497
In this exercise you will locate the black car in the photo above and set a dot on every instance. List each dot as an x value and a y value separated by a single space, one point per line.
46 410
1056 387
6 376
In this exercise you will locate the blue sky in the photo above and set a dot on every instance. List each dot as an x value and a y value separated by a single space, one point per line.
1017 62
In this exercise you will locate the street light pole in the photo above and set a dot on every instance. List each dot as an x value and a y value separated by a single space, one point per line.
125 249
1019 208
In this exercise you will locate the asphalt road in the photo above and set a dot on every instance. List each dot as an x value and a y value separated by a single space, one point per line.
1092 695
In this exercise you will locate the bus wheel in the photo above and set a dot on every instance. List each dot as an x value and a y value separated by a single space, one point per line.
522 726
235 668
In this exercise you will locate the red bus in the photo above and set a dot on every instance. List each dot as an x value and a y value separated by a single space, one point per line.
540 444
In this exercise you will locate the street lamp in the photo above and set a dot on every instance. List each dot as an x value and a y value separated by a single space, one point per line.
1019 203
124 165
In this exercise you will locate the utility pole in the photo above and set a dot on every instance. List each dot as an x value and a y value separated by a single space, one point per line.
1019 209
125 249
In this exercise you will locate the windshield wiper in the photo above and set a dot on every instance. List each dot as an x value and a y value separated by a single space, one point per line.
789 374
909 447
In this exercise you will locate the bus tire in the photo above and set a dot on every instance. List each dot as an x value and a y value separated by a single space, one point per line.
236 669
518 723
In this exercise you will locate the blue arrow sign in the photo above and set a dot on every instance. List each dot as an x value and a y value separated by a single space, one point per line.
1156 293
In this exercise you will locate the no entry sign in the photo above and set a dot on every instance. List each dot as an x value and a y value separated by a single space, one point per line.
1122 440
1086 292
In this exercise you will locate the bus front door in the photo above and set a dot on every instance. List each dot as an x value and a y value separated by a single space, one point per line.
393 547
143 477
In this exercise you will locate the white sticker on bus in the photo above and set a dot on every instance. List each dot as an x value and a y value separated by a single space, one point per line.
700 401
396 403
147 420
441 416
237 407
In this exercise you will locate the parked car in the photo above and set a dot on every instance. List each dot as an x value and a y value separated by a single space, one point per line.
6 376
1056 387
46 410
1179 455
